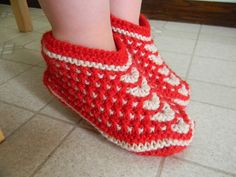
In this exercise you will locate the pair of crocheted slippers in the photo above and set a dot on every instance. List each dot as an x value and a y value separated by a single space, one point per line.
130 95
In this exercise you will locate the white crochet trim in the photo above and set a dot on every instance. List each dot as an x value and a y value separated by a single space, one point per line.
89 64
181 102
183 91
131 34
152 104
154 145
156 59
165 71
132 77
151 48
167 114
138 91
181 127
172 80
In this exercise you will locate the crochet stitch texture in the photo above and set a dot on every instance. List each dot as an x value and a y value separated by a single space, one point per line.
141 45
111 92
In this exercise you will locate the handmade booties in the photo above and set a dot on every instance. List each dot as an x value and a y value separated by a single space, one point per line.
141 46
109 90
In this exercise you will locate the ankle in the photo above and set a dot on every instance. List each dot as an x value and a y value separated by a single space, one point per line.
93 39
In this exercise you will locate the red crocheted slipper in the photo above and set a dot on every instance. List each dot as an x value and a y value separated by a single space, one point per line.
109 90
141 45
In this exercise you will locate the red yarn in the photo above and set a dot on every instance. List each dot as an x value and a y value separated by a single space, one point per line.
111 91
141 46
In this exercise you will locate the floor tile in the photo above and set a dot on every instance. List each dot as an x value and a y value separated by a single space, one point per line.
9 69
178 62
214 141
215 71
213 94
25 56
34 45
219 30
58 110
85 153
7 20
7 34
26 149
36 11
6 48
157 26
216 49
186 27
25 38
12 117
177 168
85 124
42 64
178 34
174 44
26 90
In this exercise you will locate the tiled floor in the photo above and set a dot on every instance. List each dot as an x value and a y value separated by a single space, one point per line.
44 139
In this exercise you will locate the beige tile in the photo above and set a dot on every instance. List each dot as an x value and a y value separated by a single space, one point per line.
6 48
178 62
213 94
211 37
177 168
215 71
37 24
36 11
174 44
219 47
85 124
25 38
10 69
34 45
26 149
171 33
157 23
42 64
85 153
157 27
218 30
12 117
7 20
214 141
26 90
217 42
7 34
186 27
59 110
25 56
40 23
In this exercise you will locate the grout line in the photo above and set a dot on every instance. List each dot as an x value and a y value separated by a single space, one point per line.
215 58
174 52
52 152
42 114
19 62
27 69
61 120
212 83
193 54
34 114
161 166
17 106
219 106
204 166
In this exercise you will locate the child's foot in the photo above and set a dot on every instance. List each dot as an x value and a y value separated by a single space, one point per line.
141 46
109 90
